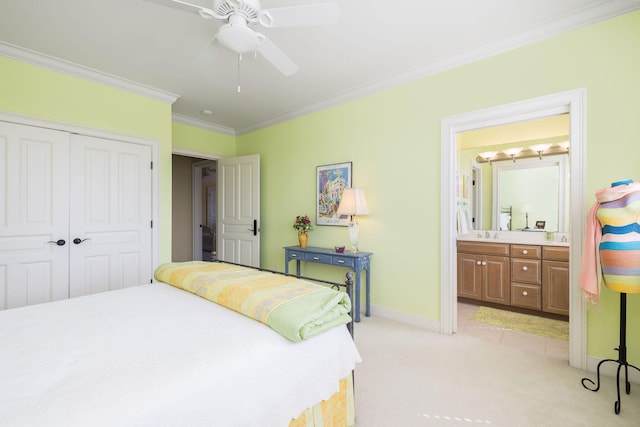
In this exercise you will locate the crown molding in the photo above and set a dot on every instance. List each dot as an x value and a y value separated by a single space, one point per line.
588 16
203 124
55 64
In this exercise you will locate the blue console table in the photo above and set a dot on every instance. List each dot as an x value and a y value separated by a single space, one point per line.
356 262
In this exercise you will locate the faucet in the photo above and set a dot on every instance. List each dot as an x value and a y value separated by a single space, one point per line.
487 234
495 235
564 239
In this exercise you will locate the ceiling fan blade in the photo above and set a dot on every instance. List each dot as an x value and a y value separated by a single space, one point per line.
301 16
277 57
185 7
206 56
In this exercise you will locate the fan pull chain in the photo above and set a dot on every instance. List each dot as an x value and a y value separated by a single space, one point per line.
239 59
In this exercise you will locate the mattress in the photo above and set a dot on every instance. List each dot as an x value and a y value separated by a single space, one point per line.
154 355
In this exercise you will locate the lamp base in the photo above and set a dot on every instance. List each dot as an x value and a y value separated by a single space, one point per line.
353 235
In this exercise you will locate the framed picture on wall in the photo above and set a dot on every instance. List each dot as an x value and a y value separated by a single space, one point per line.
330 181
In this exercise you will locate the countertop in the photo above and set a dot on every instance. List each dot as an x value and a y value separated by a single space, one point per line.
516 237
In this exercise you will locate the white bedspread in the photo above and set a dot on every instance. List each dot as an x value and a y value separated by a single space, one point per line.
154 355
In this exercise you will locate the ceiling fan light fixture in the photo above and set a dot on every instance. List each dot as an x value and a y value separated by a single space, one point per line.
238 38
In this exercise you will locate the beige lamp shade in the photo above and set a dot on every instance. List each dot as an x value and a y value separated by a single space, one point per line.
353 202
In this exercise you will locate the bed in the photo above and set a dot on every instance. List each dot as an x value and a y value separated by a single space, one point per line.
160 355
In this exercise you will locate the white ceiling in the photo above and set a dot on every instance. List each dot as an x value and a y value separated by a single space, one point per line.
374 46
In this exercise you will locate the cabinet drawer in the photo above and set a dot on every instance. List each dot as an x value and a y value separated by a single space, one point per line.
555 253
321 258
483 248
526 251
296 255
526 296
344 261
525 270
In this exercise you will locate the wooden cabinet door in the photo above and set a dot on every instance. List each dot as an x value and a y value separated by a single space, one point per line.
497 286
470 276
555 287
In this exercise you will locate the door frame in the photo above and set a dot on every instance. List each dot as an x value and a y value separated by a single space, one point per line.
196 169
572 102
98 133
196 190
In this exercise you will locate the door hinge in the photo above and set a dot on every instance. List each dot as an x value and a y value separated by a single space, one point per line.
150 280
151 223
151 165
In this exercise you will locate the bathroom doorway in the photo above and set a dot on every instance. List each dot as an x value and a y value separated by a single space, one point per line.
572 103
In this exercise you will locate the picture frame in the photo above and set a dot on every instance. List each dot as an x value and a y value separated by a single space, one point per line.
540 225
331 180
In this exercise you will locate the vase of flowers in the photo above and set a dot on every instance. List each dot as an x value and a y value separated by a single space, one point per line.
303 225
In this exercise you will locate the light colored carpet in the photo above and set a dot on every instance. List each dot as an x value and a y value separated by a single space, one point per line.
551 328
410 377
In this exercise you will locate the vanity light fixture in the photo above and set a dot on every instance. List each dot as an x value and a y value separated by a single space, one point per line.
512 152
488 155
540 148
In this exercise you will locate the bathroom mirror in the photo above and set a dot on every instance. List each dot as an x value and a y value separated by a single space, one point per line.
531 195
534 186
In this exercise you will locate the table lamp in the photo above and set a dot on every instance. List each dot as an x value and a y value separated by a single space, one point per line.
353 203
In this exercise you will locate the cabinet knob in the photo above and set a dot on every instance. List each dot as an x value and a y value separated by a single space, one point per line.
525 251
478 263
525 293
484 262
524 268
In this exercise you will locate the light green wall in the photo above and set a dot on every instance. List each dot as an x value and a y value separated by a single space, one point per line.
393 140
37 92
197 139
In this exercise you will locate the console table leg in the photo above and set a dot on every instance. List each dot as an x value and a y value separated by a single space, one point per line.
357 301
368 294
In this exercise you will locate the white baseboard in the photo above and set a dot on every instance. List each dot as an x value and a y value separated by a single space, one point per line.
610 369
400 317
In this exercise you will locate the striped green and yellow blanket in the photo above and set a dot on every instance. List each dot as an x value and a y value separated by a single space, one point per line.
297 309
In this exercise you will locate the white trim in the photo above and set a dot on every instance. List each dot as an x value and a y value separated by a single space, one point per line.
574 102
589 16
81 130
203 124
610 370
195 153
405 318
59 65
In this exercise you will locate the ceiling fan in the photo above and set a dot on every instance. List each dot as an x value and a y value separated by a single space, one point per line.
241 17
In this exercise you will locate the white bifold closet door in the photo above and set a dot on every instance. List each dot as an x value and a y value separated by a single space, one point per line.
75 215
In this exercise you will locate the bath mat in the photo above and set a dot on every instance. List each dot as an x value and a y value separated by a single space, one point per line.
551 328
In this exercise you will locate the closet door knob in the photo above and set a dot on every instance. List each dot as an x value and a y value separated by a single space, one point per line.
78 240
58 242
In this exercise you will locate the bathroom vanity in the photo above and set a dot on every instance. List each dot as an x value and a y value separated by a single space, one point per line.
515 273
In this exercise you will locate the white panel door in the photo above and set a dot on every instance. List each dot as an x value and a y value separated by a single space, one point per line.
110 215
239 210
34 205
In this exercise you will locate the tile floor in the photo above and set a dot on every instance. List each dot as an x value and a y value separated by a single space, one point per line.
553 348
